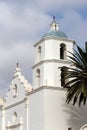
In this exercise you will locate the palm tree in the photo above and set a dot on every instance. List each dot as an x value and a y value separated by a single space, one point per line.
77 85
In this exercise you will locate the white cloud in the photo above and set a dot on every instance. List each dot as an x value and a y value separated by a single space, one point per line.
75 26
59 5
16 25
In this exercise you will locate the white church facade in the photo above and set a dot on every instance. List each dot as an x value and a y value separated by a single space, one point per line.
42 105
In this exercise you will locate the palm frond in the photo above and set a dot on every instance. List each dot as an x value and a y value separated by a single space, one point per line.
77 84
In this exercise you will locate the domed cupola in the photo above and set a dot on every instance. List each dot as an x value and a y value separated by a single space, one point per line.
54 31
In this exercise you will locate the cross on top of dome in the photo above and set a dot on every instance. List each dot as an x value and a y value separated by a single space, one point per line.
17 64
54 25
54 18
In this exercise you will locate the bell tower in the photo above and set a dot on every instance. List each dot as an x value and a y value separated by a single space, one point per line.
52 52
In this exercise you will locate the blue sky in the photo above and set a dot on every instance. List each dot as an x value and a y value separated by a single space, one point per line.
23 22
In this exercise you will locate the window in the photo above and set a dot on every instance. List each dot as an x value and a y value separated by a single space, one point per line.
84 127
63 71
55 26
15 90
62 51
39 52
15 117
38 78
70 128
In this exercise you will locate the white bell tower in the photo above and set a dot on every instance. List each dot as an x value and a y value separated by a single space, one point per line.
51 53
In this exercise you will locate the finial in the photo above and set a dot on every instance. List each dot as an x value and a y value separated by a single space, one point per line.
54 25
53 18
17 64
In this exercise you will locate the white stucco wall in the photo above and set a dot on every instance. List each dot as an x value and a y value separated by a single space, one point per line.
50 73
60 116
55 115
20 92
20 109
42 45
16 103
51 48
48 111
36 111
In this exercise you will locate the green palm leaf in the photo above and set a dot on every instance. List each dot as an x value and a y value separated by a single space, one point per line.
77 84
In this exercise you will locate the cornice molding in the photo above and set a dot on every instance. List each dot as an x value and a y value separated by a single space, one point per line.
53 38
15 104
50 61
32 92
46 87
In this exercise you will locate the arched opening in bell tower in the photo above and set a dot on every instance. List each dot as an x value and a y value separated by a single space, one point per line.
38 78
62 51
39 53
63 73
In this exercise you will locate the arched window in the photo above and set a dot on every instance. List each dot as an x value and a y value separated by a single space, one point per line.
39 52
15 90
62 51
38 78
70 128
84 127
63 71
15 117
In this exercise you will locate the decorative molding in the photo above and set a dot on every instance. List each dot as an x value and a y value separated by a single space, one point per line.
14 125
53 38
37 43
50 61
15 104
15 76
46 87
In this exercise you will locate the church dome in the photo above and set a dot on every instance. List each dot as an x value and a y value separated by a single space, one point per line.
54 31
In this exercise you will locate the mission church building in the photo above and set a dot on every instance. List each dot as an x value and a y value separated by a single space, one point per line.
41 106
